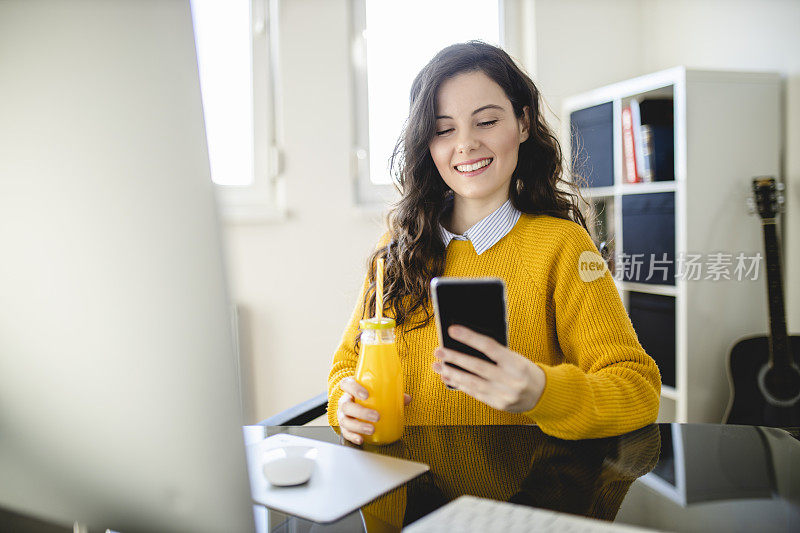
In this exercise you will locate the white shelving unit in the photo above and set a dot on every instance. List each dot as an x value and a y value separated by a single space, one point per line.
727 129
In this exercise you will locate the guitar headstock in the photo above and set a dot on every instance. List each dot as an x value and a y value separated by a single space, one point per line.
767 198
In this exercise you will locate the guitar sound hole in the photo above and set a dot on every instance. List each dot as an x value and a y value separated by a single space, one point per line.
781 384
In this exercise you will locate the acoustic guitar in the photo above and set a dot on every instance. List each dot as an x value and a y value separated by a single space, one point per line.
763 370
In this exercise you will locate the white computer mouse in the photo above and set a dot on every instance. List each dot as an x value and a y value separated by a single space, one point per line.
289 465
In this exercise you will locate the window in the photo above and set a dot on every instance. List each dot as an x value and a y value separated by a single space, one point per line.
392 41
236 49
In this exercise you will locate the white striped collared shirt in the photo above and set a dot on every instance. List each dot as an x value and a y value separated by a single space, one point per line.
488 231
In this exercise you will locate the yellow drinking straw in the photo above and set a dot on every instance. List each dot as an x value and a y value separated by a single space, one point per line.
379 291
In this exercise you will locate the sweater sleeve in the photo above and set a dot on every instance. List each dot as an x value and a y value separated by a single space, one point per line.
345 359
607 385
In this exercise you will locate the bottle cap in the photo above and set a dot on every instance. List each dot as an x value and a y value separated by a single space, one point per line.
377 323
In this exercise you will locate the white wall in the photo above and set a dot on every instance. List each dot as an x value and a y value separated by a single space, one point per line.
583 44
298 278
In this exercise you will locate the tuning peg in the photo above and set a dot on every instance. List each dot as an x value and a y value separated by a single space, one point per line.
780 186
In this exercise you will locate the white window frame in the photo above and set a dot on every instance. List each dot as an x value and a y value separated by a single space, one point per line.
366 193
263 199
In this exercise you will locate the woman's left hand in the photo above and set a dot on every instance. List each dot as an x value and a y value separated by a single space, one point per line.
514 384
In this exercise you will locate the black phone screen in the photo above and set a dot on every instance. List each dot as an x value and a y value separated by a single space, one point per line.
476 304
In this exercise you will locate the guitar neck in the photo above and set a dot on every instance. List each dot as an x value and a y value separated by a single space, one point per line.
779 342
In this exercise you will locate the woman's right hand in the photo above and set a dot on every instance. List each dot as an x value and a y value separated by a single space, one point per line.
354 419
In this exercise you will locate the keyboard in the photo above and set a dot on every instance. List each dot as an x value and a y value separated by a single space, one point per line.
469 514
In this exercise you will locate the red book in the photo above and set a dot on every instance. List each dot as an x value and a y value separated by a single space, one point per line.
628 148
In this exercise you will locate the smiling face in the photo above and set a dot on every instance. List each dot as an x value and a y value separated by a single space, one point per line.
477 139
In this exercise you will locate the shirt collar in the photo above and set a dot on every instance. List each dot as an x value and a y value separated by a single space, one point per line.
488 231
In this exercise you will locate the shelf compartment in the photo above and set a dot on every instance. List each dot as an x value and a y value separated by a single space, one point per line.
592 144
648 238
653 318
652 131
600 219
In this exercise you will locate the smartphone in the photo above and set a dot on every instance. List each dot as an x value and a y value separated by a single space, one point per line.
476 303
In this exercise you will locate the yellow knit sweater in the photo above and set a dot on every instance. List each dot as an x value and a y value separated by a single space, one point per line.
599 380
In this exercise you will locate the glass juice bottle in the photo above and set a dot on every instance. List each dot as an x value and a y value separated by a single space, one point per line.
380 373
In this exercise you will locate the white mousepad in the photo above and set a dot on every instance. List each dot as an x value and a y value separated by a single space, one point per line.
344 479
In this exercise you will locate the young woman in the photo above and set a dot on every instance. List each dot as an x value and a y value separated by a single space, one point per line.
483 195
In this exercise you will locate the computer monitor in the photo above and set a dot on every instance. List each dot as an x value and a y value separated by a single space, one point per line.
118 389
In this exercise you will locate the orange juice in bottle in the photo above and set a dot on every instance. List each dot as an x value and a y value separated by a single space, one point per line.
379 372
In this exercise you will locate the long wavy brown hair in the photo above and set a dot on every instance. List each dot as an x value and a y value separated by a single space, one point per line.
415 253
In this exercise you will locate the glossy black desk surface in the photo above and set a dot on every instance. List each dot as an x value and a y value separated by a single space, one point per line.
675 477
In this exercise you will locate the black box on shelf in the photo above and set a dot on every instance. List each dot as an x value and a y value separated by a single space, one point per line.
653 318
592 139
648 238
